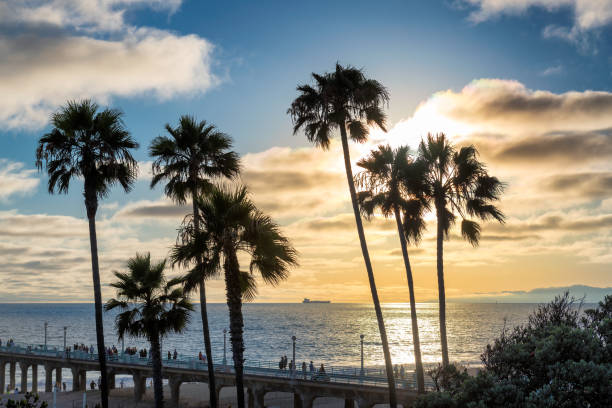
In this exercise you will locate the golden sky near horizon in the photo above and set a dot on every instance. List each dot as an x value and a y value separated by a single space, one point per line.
553 150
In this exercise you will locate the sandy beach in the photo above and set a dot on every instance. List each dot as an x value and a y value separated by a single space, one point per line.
192 395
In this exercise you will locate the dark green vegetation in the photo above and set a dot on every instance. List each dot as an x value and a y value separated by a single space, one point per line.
95 146
560 358
150 307
195 153
29 400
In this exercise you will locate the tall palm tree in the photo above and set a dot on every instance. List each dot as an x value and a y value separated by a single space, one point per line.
392 183
195 153
347 101
458 184
93 145
150 307
231 224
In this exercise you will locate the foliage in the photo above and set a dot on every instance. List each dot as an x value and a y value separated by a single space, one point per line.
557 359
30 400
195 153
150 306
341 100
230 221
88 143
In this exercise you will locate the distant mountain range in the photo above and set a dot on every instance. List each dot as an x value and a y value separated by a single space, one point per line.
591 294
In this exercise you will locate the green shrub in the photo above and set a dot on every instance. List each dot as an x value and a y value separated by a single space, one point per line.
557 359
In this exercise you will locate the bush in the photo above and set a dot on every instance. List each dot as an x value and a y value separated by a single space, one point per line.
557 359
29 400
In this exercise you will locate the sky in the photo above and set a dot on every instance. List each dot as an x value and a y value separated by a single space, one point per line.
528 82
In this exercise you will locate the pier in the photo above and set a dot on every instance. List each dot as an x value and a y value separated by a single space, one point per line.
366 389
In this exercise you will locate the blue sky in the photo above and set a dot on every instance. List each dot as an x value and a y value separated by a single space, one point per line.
236 64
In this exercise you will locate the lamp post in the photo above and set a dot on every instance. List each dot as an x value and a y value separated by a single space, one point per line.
65 328
46 324
224 347
362 372
293 338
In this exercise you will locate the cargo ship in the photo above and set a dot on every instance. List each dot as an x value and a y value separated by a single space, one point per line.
306 300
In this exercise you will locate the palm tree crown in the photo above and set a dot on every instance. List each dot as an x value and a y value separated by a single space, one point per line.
150 306
458 183
87 143
195 153
230 223
392 179
341 99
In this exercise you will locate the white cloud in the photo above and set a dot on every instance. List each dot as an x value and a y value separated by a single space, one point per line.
16 180
41 70
588 15
88 15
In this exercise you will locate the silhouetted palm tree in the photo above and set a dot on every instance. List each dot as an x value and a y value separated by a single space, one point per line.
346 100
150 307
195 153
95 146
457 183
230 223
393 184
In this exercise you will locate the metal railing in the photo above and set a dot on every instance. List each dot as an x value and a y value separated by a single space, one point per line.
341 375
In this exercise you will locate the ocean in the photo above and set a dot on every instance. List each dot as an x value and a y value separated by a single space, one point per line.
326 333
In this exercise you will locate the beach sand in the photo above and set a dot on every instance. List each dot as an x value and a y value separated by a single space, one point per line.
192 395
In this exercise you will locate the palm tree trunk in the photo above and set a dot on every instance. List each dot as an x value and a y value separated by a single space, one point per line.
91 204
415 327
441 294
158 387
368 264
204 315
234 303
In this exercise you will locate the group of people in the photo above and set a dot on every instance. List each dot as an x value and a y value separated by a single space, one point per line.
9 343
173 356
202 357
310 368
82 347
400 372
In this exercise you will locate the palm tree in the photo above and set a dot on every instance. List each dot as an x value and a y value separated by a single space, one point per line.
346 100
95 146
392 183
230 224
457 183
150 307
194 153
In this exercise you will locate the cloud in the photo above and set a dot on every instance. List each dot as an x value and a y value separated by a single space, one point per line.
153 210
43 68
588 15
554 70
16 180
556 222
588 294
593 185
564 147
86 15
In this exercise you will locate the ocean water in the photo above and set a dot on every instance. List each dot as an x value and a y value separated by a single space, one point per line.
326 333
